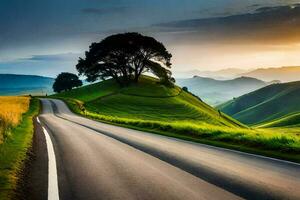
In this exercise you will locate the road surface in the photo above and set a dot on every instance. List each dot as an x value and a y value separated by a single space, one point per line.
92 160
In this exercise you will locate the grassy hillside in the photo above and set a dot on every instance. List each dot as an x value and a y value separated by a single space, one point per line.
12 84
215 92
266 104
91 92
153 107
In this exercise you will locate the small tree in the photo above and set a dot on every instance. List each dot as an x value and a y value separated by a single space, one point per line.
185 89
66 81
124 57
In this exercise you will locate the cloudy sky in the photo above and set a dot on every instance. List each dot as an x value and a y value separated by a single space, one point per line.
45 37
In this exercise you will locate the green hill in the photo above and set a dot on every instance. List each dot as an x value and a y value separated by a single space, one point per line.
215 92
289 121
266 104
148 100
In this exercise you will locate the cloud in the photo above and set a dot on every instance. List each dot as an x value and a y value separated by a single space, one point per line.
105 11
277 8
268 25
256 5
53 57
49 65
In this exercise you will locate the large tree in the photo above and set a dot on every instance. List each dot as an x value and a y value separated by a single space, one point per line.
124 57
66 81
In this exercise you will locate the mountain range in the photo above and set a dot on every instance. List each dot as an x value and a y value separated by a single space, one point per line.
282 74
222 74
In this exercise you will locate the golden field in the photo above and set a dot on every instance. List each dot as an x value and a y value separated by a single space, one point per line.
11 110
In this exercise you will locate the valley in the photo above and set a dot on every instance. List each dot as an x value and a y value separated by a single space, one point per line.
215 92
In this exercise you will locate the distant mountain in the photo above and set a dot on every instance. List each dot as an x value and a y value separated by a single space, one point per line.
267 104
218 74
12 84
284 74
215 92
230 72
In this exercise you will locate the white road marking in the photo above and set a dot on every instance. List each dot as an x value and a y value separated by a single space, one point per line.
38 120
53 193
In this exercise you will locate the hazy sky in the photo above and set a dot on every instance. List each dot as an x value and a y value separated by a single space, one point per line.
46 37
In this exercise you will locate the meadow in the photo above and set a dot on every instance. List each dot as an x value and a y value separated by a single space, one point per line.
152 107
11 110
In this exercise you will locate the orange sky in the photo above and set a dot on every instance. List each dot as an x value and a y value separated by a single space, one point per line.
245 56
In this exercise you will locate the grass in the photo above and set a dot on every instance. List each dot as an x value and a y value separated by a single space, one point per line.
14 149
152 107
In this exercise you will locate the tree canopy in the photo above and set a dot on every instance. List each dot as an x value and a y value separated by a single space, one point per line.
124 57
66 81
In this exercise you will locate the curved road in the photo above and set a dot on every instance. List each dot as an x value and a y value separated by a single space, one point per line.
100 161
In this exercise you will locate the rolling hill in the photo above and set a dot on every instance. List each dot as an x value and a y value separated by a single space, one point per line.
12 84
287 121
266 104
215 92
148 100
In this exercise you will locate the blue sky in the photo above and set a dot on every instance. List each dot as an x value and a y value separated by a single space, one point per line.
46 37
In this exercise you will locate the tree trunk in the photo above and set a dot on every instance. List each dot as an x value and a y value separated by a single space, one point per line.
136 78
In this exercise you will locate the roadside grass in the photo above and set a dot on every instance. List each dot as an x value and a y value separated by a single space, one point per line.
11 110
268 142
182 115
14 149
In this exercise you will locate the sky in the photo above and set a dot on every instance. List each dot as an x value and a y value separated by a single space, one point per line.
47 37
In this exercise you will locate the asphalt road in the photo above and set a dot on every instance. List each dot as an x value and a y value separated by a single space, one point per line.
100 161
